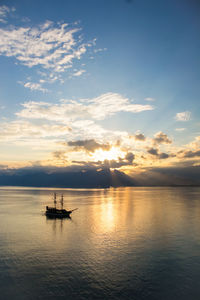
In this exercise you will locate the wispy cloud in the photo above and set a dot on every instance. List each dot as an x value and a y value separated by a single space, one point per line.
4 11
49 77
99 50
180 129
69 110
149 99
20 129
35 87
51 46
78 73
183 116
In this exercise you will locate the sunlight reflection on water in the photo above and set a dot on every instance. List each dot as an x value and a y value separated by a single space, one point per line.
127 243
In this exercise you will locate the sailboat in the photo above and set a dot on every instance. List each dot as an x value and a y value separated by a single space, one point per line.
54 212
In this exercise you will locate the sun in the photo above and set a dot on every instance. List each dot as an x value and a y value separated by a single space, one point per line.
113 153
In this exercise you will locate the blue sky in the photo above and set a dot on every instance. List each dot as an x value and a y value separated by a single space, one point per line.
136 61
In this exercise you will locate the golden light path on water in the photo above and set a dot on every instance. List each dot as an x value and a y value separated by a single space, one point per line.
108 210
120 238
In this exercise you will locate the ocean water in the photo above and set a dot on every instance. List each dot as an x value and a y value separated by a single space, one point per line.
125 243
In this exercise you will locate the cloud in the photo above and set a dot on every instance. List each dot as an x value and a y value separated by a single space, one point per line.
25 19
49 45
139 137
88 129
155 152
130 157
59 154
163 155
113 163
60 158
183 116
180 129
50 77
149 99
111 103
35 87
78 73
99 50
91 147
69 110
190 153
45 133
88 145
195 144
20 129
4 11
191 150
161 138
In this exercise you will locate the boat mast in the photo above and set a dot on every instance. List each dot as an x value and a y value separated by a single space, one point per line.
54 200
61 201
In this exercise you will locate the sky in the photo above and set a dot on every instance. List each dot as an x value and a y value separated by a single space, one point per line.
95 84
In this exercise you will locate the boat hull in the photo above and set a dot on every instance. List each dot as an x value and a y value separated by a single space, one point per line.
57 213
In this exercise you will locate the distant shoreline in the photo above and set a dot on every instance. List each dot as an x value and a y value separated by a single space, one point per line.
90 188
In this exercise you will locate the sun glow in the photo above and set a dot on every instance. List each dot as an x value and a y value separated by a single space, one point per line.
113 153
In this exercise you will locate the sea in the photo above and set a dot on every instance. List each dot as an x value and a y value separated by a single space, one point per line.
121 243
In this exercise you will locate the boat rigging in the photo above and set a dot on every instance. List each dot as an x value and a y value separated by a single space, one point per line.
54 212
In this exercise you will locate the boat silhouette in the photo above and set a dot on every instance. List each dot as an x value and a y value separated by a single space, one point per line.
54 212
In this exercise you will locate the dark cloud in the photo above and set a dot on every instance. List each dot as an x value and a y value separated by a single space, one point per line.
189 153
163 155
60 155
157 154
161 138
130 157
139 137
113 164
126 161
88 145
153 151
